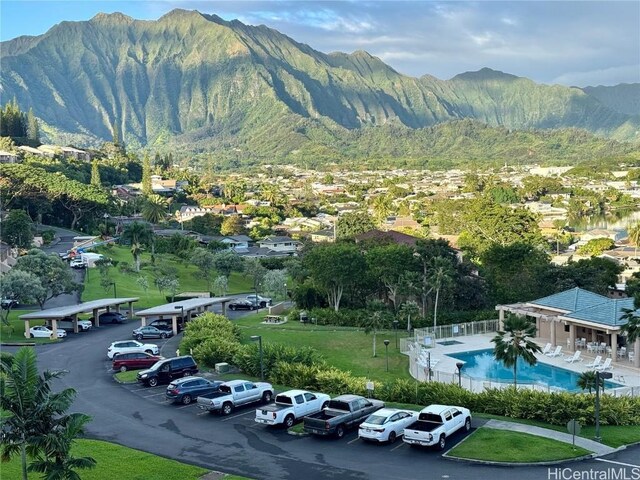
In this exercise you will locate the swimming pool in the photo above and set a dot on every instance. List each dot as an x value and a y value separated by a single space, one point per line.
481 365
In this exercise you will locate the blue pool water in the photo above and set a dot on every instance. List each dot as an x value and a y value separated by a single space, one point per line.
481 365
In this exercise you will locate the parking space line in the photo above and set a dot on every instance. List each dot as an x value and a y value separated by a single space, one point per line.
353 441
202 413
152 395
185 406
398 446
238 415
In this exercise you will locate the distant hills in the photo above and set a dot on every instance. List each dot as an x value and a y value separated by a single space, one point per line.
202 84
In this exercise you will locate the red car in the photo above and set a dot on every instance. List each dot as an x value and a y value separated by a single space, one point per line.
134 361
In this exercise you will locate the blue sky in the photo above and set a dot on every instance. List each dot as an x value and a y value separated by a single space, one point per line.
567 42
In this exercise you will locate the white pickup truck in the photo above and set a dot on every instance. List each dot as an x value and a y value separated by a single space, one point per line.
435 424
234 394
290 406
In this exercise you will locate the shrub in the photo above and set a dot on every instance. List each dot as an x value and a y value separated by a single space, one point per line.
247 358
212 338
48 236
214 350
126 268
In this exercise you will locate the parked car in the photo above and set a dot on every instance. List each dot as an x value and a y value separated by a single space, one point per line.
167 370
435 424
258 300
235 393
164 324
78 263
66 323
290 406
7 303
343 412
386 425
131 346
242 304
134 361
111 317
45 332
184 390
149 331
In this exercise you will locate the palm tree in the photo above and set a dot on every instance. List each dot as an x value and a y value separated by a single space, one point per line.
374 322
29 408
55 459
154 208
441 277
409 309
634 235
514 343
632 327
137 234
587 380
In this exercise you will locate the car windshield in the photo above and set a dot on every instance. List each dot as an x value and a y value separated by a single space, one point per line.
156 365
375 420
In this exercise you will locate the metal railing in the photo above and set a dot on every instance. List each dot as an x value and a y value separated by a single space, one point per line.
443 332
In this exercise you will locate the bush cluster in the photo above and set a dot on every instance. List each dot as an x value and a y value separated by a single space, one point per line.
212 338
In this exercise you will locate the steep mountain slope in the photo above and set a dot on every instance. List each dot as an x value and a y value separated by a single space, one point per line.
623 98
206 84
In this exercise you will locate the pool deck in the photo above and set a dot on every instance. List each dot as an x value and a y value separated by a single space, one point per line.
445 368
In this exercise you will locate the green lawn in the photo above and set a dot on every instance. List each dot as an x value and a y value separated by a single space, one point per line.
505 446
115 461
126 286
128 376
348 349
15 333
612 435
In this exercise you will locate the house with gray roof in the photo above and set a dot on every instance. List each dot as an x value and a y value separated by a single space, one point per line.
578 316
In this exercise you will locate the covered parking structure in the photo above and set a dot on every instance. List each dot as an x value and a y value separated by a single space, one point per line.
182 309
72 311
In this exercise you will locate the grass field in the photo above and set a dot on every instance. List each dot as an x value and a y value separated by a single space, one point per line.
126 285
348 349
115 461
505 446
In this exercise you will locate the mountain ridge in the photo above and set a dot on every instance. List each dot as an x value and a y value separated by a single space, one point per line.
195 75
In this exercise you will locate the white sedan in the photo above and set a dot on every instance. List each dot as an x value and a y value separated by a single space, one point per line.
45 332
386 424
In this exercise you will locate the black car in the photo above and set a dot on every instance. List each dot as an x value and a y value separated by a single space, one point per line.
8 303
110 317
184 390
242 304
149 331
164 324
167 370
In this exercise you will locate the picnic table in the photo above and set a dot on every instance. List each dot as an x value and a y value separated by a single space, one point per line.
272 319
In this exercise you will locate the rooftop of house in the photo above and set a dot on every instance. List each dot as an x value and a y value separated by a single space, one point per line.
396 237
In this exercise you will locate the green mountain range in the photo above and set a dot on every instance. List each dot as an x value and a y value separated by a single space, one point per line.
202 84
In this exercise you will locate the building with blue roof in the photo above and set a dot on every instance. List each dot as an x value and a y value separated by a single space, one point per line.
579 317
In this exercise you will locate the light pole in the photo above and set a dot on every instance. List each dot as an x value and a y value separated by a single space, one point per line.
460 365
181 308
603 376
285 291
258 338
115 293
386 350
395 327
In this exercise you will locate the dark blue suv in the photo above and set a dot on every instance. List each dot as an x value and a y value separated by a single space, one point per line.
185 390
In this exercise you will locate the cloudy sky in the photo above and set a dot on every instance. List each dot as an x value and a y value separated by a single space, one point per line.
567 42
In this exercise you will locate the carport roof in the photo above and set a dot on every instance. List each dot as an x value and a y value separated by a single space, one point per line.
61 312
173 308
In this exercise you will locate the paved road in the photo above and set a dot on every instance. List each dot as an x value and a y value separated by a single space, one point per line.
139 417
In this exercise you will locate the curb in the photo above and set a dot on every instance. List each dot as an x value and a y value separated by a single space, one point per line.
517 464
120 381
22 344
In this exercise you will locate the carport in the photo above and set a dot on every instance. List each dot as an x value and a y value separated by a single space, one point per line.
182 309
72 311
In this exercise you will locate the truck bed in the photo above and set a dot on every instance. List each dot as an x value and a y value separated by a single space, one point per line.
422 426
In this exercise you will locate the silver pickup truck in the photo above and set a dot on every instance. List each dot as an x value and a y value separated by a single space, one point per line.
234 394
435 423
290 406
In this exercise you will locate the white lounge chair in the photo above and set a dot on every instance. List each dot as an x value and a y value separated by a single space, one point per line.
605 366
546 349
595 363
556 353
574 358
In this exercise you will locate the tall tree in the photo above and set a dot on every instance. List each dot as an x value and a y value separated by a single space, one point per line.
95 174
515 342
137 234
441 276
232 225
374 321
388 264
352 224
147 188
587 380
154 209
33 130
32 412
227 261
21 286
204 260
17 229
55 275
634 236
334 268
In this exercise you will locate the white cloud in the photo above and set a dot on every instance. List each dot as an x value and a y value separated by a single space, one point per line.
606 76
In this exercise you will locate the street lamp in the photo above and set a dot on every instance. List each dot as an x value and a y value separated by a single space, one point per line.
285 291
395 327
115 294
386 350
603 376
460 365
258 338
